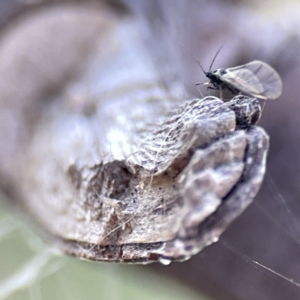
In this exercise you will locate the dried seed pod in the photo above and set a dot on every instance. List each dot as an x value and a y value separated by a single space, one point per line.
119 167
180 191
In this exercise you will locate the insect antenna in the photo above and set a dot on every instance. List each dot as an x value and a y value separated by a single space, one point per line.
199 63
212 62
196 59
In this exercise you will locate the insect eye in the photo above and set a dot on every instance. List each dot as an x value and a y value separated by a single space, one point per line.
223 71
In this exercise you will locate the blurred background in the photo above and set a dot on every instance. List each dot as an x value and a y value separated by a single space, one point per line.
267 233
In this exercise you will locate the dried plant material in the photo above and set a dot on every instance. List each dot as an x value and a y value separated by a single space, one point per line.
120 167
175 195
195 174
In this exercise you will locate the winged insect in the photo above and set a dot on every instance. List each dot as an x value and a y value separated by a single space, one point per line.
255 78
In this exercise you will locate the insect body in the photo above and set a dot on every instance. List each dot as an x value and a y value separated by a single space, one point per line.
255 78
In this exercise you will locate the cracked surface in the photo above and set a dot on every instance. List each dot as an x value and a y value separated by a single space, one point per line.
175 195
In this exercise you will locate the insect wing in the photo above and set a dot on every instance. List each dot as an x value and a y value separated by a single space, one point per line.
255 78
243 80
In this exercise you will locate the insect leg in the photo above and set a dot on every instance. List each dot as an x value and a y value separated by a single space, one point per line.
202 83
221 92
198 85
214 88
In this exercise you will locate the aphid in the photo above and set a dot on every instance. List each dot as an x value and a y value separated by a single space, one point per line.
256 78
